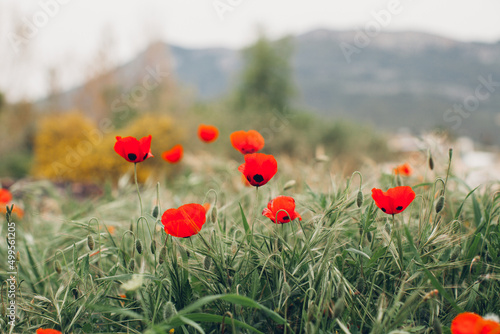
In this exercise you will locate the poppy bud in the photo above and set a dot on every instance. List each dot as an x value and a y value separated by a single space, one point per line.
90 242
155 212
213 216
138 246
285 290
359 199
339 308
131 265
312 311
440 204
387 228
450 153
289 185
169 310
57 267
18 256
163 255
360 284
369 236
431 162
153 247
207 262
455 253
436 325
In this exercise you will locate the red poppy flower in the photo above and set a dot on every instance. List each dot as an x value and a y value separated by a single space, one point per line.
185 221
5 196
247 142
134 150
471 323
208 133
276 206
395 200
174 155
259 168
47 331
404 169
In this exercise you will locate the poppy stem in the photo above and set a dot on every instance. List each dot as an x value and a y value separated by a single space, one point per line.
137 186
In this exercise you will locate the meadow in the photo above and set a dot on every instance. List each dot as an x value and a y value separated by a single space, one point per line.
104 263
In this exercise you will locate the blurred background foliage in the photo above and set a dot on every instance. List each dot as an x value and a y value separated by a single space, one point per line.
77 145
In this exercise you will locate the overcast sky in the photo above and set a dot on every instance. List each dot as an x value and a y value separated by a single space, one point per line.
70 32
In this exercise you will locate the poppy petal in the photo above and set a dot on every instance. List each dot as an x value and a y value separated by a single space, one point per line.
173 155
259 168
394 200
133 150
465 323
208 133
5 196
185 221
282 208
247 142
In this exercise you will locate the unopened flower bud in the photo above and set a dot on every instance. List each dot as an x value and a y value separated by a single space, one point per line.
90 242
431 162
155 211
18 256
213 215
153 247
286 290
163 255
169 310
57 267
436 325
440 204
138 246
359 199
131 265
207 262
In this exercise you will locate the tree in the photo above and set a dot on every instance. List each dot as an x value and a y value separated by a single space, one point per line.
266 81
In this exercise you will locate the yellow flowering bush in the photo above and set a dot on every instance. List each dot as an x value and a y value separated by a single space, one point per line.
70 147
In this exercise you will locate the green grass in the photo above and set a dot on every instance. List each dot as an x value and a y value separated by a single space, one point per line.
342 269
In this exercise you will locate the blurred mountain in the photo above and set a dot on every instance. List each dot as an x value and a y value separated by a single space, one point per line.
393 79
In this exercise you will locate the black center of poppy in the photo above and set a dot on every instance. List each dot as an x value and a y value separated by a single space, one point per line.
399 208
131 156
258 178
145 157
384 210
285 218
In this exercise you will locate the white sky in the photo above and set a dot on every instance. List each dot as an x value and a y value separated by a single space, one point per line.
70 39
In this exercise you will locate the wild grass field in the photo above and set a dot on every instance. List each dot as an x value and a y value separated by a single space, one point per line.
96 265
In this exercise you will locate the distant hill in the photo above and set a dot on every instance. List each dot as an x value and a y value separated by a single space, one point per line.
400 79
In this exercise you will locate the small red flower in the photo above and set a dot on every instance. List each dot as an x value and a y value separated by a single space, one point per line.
174 155
395 200
247 142
276 206
47 331
134 150
471 323
208 133
404 169
185 221
5 196
259 168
